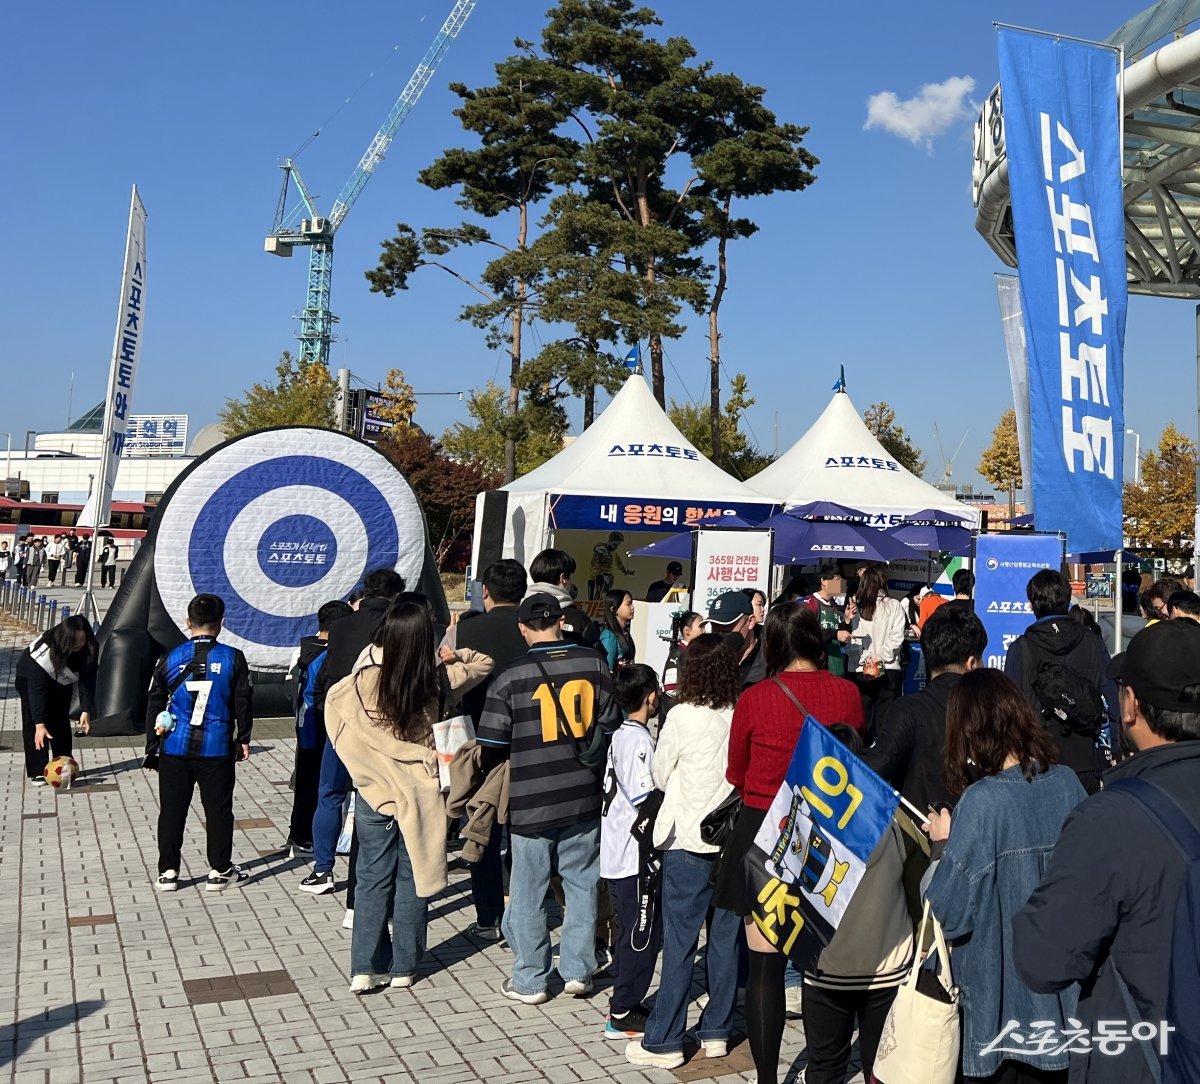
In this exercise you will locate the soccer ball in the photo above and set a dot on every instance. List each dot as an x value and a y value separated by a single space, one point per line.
61 771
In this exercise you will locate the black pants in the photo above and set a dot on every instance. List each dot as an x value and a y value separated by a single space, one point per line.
829 1020
108 575
177 778
875 693
1017 1072
304 797
58 723
487 881
52 569
80 573
633 970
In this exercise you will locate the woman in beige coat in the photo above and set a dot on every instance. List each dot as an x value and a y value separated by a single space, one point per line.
380 721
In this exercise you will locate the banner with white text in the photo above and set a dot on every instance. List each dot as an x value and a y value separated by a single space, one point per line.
1004 565
1062 137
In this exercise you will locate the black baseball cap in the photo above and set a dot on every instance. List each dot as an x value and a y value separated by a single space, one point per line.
676 568
1162 661
732 605
542 605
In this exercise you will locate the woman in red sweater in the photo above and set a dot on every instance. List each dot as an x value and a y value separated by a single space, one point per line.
762 739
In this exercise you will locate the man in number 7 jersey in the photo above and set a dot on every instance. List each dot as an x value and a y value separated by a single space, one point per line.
198 724
542 711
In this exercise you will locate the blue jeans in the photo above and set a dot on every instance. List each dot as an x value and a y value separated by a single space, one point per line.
327 821
686 894
574 852
385 885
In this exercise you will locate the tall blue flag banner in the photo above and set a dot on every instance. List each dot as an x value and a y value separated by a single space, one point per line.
634 358
812 849
1062 134
1004 565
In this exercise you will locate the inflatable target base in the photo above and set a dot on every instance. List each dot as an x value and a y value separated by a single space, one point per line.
277 523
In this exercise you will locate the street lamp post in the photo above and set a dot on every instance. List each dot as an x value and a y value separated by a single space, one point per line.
1137 455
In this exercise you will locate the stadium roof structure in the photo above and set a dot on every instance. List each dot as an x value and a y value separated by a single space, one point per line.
1161 154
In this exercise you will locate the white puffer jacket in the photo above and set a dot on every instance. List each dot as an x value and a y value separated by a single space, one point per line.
689 767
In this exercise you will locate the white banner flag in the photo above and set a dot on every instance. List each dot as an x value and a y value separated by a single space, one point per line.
1008 289
127 347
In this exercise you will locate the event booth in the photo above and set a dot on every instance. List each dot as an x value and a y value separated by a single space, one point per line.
839 459
630 472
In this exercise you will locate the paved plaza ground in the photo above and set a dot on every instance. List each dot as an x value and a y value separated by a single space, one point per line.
109 980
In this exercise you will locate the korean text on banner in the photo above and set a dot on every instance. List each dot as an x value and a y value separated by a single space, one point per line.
127 348
812 849
730 560
1062 133
1004 565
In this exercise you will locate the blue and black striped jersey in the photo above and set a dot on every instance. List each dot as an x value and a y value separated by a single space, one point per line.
212 705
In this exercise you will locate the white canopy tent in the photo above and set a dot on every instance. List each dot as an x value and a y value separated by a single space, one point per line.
840 460
630 470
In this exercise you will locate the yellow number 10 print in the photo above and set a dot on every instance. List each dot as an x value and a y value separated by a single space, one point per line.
831 779
578 701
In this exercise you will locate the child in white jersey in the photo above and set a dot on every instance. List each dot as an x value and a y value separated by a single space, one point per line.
633 885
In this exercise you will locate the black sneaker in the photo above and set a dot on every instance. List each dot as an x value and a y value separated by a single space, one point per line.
491 934
298 850
628 1025
318 883
218 882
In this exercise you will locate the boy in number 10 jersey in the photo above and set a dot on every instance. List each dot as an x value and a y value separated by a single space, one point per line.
198 724
541 712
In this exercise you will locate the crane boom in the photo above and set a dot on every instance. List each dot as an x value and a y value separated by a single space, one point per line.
315 232
409 97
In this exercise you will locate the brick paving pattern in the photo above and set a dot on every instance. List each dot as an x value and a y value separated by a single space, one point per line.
111 982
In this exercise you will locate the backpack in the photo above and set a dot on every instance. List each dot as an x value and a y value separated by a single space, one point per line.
1068 701
1181 1065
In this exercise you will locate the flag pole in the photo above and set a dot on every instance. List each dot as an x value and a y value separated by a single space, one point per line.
100 500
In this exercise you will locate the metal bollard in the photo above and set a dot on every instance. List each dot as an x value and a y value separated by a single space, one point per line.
52 618
66 612
41 613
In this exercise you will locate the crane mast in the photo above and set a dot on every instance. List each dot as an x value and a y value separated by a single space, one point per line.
315 231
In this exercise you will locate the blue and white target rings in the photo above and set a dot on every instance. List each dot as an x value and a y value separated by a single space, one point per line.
278 523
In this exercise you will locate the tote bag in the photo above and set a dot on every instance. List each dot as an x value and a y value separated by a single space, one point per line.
922 1034
449 736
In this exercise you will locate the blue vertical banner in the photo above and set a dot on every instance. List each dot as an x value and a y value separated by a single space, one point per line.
1062 136
1004 565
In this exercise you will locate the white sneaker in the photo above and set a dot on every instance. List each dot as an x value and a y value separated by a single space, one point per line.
167 881
364 984
715 1048
510 991
402 982
578 988
636 1054
348 919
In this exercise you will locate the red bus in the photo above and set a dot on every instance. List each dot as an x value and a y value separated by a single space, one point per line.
129 519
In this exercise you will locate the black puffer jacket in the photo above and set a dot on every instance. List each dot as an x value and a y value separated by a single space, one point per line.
1108 901
1064 640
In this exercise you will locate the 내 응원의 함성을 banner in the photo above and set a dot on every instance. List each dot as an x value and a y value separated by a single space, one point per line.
812 849
1062 138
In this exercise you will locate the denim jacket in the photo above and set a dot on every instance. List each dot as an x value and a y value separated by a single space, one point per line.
1001 838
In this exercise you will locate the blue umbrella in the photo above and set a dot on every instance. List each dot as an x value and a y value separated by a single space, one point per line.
935 515
679 546
931 536
826 510
808 542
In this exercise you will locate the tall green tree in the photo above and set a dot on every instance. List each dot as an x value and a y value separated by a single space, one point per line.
633 100
521 155
1160 510
737 453
303 393
739 151
542 428
881 420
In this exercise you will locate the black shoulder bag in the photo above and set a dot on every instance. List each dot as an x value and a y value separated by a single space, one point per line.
151 759
590 752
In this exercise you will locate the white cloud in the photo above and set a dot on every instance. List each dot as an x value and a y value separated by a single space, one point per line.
929 113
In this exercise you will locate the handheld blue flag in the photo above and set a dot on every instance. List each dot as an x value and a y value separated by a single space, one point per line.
812 849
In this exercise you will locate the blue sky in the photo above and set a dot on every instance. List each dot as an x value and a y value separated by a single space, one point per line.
877 266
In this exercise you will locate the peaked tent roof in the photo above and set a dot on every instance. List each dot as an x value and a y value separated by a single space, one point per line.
634 450
839 459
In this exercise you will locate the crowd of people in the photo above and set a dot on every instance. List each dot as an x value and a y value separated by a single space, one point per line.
1056 797
28 557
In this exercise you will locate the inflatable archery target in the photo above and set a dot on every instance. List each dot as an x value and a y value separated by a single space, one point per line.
277 523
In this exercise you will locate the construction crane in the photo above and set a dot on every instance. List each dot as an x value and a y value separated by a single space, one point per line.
948 464
316 231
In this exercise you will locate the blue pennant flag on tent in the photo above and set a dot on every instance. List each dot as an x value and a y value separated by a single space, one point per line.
841 380
633 359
